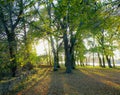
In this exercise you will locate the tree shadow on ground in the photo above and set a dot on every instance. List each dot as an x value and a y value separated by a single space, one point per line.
56 84
35 85
80 82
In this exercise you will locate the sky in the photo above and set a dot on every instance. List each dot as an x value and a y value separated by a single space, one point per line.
42 48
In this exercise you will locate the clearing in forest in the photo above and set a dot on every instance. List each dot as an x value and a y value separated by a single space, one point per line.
83 81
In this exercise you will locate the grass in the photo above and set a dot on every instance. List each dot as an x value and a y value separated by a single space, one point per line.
83 81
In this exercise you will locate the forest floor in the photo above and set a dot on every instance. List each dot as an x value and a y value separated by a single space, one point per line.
83 81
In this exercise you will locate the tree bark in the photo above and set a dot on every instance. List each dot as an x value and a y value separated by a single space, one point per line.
113 61
54 54
73 61
72 42
57 54
12 51
67 54
100 60
52 40
103 60
108 61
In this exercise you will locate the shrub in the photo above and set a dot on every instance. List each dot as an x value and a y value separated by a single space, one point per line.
28 66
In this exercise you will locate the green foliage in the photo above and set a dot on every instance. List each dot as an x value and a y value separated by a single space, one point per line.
27 66
85 18
4 57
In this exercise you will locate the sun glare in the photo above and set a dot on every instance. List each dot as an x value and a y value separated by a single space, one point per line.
42 47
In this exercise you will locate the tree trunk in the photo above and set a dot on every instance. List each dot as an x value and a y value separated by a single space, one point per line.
72 55
52 41
93 60
72 42
12 51
100 60
54 54
57 51
108 61
93 51
57 54
103 49
67 53
73 60
55 63
50 55
103 60
113 61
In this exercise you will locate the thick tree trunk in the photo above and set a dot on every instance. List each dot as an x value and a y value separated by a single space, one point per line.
55 63
12 51
52 41
67 54
108 61
100 60
54 54
73 61
72 44
57 51
72 55
103 60
57 54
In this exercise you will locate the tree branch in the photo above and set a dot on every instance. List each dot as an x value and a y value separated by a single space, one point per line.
19 15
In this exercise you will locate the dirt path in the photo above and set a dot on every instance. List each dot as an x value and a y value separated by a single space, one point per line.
84 81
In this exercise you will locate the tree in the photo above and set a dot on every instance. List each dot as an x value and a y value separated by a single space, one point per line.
10 17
